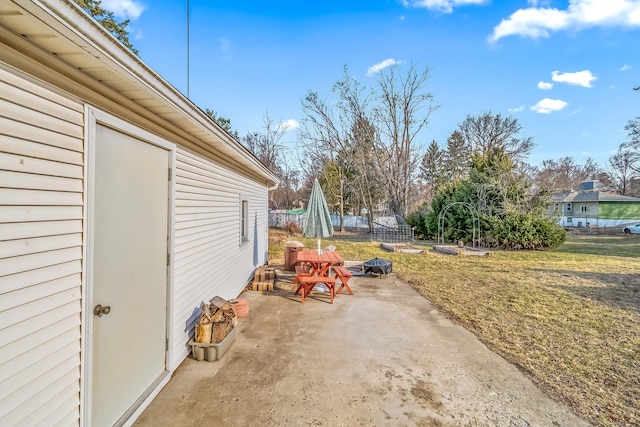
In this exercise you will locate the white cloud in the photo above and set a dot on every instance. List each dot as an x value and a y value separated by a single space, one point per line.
547 105
625 67
288 125
129 9
579 78
544 85
402 18
536 22
381 66
444 6
516 109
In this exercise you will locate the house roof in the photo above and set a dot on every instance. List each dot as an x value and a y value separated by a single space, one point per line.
591 196
60 35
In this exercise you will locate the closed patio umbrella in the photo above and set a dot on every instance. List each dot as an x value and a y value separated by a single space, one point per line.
318 223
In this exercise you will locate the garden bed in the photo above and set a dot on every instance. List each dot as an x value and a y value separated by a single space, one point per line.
404 248
461 250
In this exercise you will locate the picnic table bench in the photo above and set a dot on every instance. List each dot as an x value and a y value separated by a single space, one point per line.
308 283
344 275
302 270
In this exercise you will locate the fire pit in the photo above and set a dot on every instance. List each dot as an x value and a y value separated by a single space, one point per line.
378 265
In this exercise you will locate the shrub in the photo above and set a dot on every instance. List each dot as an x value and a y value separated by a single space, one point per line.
516 230
418 219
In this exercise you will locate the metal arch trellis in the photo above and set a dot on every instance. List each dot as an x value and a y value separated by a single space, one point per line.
475 217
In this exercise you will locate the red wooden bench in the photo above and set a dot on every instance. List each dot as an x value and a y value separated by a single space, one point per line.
302 271
344 275
308 283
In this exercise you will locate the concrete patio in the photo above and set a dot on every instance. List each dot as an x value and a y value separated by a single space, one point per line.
382 357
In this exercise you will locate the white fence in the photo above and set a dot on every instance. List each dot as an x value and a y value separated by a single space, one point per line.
281 218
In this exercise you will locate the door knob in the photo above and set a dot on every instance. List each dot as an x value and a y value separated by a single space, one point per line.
99 310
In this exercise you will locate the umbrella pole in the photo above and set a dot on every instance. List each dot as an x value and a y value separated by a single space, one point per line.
319 251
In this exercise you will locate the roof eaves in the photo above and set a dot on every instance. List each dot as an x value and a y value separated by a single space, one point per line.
74 23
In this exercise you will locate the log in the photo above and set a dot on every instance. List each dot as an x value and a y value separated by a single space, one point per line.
205 314
217 302
218 316
203 332
220 330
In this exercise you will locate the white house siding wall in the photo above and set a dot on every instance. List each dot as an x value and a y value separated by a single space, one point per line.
210 259
41 198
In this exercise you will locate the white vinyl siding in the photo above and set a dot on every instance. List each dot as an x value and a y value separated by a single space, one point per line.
41 204
208 260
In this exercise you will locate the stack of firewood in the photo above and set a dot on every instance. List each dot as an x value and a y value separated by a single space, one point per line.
263 278
216 320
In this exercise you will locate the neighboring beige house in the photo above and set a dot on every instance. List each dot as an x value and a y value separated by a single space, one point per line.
123 206
594 208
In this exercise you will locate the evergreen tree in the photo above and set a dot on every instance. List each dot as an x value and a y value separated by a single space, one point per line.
432 166
510 216
456 159
225 124
108 21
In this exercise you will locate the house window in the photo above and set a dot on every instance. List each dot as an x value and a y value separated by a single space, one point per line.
583 208
569 220
244 221
568 208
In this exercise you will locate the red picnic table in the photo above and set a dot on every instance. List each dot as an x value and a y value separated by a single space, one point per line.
319 263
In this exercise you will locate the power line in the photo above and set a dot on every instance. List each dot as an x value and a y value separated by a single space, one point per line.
188 44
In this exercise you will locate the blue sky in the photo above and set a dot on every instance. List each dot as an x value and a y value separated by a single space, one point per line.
565 69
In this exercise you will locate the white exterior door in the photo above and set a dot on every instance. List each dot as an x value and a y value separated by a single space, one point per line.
128 272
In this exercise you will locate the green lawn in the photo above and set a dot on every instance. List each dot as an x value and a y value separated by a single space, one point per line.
569 318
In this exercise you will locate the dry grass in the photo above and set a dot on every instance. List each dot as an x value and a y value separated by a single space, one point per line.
569 318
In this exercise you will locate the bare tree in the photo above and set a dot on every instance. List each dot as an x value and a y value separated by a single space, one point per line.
363 152
368 136
402 110
367 183
322 134
564 174
266 144
486 132
341 142
287 194
633 131
620 171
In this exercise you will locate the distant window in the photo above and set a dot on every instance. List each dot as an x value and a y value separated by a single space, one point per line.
583 208
569 220
244 221
568 206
